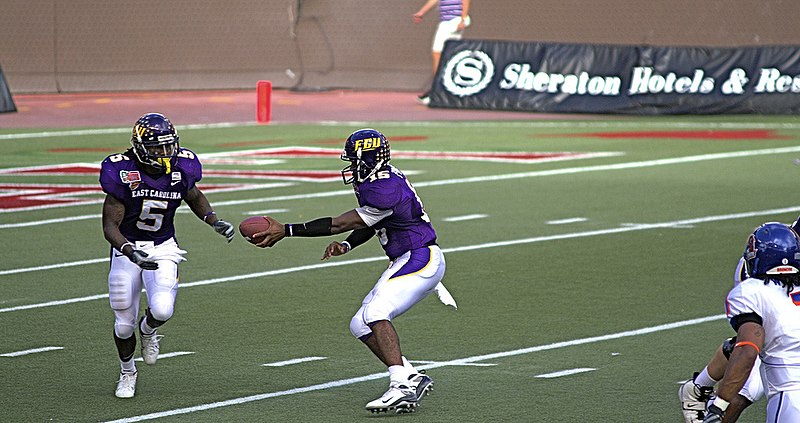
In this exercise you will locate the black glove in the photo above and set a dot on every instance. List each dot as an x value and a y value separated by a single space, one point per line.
224 228
139 258
713 414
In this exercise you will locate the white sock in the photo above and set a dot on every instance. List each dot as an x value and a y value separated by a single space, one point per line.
399 374
703 379
128 366
408 365
145 328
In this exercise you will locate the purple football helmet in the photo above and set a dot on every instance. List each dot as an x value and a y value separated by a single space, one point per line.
368 151
155 141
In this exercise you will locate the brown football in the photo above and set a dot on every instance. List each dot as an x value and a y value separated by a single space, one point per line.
253 225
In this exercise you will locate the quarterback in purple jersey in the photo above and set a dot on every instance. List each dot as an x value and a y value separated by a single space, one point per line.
389 209
144 187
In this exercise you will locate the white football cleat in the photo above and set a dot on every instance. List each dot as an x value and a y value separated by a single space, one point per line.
150 347
126 386
422 384
399 398
693 401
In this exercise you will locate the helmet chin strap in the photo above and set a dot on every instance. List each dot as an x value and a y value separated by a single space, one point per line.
164 161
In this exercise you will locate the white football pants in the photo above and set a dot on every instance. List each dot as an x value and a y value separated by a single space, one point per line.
406 282
126 279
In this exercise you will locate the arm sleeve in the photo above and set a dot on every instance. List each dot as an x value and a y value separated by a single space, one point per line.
359 236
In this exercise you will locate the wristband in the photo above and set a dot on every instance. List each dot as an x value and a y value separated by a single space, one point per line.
748 343
347 246
208 214
721 403
122 247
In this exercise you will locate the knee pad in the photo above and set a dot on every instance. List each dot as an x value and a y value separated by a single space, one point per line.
161 307
727 347
375 311
358 327
124 330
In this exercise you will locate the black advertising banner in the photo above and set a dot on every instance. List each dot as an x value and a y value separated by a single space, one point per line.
6 102
646 80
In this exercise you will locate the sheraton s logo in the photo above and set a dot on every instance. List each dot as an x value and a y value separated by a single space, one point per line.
468 73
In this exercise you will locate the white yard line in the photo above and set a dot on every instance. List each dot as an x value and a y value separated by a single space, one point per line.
31 351
53 266
566 221
566 372
472 359
496 244
293 361
465 217
169 355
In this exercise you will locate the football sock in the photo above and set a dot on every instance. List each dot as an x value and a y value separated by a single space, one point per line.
703 379
125 347
399 374
408 365
145 328
128 366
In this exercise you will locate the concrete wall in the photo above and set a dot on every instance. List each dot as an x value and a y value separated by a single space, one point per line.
85 45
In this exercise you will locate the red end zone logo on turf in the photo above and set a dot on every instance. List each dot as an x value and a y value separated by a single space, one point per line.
15 196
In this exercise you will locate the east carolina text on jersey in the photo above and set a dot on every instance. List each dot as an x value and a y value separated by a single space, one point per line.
169 195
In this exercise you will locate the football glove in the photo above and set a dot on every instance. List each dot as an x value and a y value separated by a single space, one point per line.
224 228
713 414
139 258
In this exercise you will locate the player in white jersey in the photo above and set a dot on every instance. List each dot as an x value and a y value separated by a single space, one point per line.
765 312
697 392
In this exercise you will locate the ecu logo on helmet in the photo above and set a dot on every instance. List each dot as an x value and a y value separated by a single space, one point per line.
367 144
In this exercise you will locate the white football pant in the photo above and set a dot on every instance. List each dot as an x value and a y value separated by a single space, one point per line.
126 279
406 282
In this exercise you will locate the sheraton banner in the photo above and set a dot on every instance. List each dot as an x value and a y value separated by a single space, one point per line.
646 80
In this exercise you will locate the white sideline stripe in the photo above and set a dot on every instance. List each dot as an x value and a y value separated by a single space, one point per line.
293 361
343 382
446 124
492 178
465 217
566 221
168 355
566 372
446 250
32 351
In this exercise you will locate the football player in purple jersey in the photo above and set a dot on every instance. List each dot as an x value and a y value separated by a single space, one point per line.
144 187
389 209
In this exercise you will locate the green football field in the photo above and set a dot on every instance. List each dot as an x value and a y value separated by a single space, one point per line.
589 259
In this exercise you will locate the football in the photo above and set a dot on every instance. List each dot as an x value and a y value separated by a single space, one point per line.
253 225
